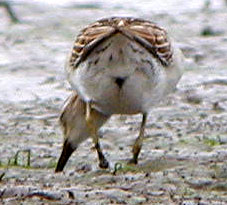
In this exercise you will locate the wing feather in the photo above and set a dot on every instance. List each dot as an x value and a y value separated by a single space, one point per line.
146 33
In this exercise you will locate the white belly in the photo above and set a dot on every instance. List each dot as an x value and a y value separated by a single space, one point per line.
146 81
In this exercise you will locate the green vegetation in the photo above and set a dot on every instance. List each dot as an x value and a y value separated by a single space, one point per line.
22 158
212 141
123 168
52 163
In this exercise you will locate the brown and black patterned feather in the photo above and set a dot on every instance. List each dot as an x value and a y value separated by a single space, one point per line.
146 33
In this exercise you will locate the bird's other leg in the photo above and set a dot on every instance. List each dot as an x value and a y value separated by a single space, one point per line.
90 119
139 141
65 154
103 163
74 126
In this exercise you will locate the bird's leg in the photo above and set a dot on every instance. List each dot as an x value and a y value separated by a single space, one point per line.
139 141
88 111
75 128
90 120
66 153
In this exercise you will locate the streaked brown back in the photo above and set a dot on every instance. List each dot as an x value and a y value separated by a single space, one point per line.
150 36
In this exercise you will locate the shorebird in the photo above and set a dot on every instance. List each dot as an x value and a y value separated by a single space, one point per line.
118 65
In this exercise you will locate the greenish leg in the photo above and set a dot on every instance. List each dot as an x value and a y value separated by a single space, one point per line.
103 163
139 141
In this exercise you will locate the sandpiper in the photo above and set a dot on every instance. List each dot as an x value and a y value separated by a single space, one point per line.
118 65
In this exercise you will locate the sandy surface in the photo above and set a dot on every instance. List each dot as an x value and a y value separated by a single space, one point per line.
183 160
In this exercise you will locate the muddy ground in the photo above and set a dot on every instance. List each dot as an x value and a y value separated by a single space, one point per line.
184 157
